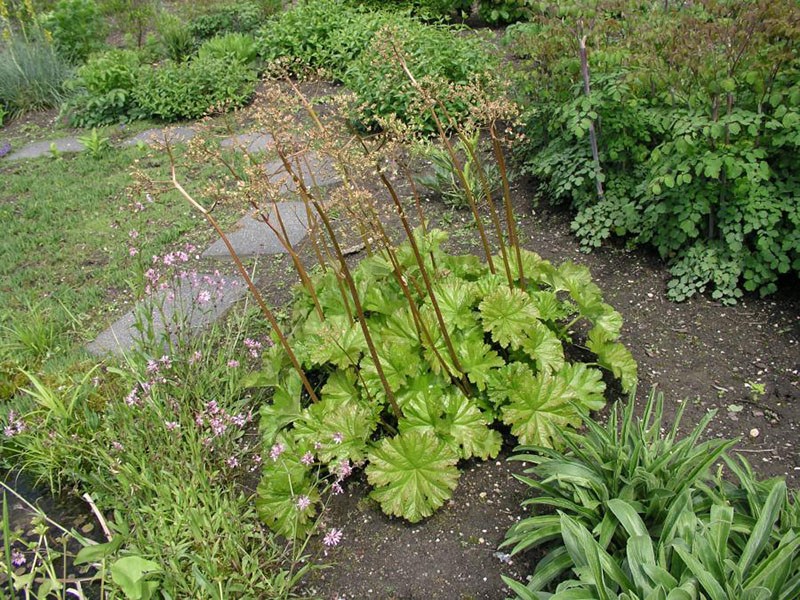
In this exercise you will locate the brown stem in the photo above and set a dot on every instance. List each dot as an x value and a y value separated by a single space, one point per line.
592 133
273 321
510 222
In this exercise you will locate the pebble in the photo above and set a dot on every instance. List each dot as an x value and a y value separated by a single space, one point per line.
754 433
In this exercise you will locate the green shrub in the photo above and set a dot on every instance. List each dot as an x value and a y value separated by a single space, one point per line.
451 67
32 74
321 34
242 17
173 91
103 90
424 9
175 37
499 12
77 27
237 47
697 145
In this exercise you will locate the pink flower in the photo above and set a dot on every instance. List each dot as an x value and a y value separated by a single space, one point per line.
232 462
276 451
332 538
195 357
233 364
132 251
117 446
204 297
344 469
303 502
18 558
336 488
171 425
307 459
337 438
133 234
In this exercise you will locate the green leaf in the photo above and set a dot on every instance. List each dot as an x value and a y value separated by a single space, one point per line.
340 341
544 347
538 412
97 552
284 408
615 357
413 474
478 361
507 314
284 481
338 430
129 574
453 418
763 528
457 298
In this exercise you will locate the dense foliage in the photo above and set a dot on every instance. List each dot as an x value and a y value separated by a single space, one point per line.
695 111
504 357
77 28
639 517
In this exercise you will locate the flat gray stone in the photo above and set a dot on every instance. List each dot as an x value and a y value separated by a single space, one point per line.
37 149
253 237
187 306
250 142
313 169
157 136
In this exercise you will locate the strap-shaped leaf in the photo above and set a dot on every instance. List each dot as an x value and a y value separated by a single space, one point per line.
413 474
454 419
507 314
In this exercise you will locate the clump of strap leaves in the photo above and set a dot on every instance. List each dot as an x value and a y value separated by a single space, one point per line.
412 360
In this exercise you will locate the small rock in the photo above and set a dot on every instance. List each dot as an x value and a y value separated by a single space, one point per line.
754 433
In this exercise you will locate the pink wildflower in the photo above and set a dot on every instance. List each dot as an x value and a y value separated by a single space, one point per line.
171 425
233 364
204 297
303 502
232 462
276 451
337 437
332 538
18 558
336 488
133 251
307 458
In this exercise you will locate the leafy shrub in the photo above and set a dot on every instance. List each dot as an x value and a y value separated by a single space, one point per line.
77 28
451 67
173 91
32 74
627 459
424 9
497 12
322 34
175 37
241 17
103 90
697 144
502 359
237 47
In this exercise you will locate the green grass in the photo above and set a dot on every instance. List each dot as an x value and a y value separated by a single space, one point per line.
65 245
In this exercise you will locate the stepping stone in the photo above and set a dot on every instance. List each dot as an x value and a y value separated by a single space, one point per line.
251 142
37 149
313 169
154 137
253 237
193 302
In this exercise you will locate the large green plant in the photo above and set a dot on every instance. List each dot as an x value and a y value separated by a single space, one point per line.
502 356
77 28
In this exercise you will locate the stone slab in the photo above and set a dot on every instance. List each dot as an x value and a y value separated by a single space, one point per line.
313 169
157 136
253 237
249 142
189 304
37 149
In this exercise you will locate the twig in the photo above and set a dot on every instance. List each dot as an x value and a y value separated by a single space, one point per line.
99 515
757 451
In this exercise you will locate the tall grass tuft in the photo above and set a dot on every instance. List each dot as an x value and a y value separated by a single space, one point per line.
32 74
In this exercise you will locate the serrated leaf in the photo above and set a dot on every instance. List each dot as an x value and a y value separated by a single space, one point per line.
507 314
615 357
544 347
509 382
455 420
537 412
478 360
399 362
413 474
456 299
339 341
284 481
284 408
549 306
337 430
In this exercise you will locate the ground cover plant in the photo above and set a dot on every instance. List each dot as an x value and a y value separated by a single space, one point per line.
688 147
640 516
